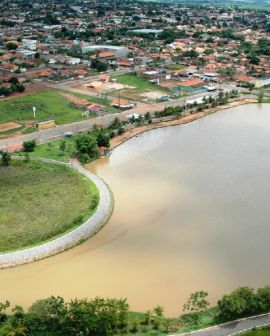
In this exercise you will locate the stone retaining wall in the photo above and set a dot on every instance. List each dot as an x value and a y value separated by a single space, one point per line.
72 238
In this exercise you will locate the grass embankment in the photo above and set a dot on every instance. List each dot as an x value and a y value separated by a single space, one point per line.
40 201
258 332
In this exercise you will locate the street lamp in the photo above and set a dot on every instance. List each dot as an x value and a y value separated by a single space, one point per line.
34 112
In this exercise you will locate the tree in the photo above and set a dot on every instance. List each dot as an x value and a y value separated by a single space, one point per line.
86 145
29 146
13 80
101 66
197 302
3 308
253 59
63 146
5 159
10 329
11 46
103 140
263 296
239 303
47 317
260 96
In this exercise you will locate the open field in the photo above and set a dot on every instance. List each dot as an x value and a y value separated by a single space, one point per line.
50 105
40 201
258 332
140 86
51 150
139 83
92 99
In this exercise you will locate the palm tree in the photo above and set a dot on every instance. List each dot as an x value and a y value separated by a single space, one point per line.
13 330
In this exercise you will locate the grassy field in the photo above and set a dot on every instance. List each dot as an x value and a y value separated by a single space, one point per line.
51 150
50 105
258 332
139 83
93 99
40 201
175 66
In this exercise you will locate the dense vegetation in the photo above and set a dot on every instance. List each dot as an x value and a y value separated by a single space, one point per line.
55 317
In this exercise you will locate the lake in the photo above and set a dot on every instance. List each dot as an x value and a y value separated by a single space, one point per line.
191 213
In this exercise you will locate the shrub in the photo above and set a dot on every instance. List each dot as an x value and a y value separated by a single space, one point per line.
29 146
5 159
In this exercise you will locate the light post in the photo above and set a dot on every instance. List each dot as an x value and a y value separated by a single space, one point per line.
34 113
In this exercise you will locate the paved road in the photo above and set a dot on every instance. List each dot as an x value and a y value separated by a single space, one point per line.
89 228
232 328
81 126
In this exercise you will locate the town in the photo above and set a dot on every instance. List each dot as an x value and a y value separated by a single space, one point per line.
102 57
134 142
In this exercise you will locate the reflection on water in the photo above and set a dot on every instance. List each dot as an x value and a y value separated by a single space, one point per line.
191 213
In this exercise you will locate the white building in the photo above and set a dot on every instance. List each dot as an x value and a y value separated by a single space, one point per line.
29 44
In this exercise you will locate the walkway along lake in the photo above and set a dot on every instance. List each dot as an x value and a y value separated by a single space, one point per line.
191 212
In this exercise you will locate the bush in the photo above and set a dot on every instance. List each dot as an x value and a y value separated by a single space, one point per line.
29 146
240 303
5 159
84 158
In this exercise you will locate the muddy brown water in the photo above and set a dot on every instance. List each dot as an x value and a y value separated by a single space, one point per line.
191 213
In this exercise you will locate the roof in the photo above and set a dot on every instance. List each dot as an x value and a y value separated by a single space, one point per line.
81 102
120 102
105 54
147 31
192 82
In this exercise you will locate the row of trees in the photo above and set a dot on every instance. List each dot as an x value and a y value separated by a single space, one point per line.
221 99
54 316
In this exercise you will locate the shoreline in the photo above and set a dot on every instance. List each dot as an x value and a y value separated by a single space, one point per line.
72 238
136 130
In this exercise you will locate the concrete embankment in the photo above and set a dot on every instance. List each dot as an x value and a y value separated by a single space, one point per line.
72 238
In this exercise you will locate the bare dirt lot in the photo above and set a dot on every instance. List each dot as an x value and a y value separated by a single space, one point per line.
9 126
153 95
29 89
98 87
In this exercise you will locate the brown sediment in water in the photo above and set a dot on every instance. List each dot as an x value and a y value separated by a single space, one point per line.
191 213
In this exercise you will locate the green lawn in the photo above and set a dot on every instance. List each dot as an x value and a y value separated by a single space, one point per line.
258 332
139 83
51 150
50 105
40 201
